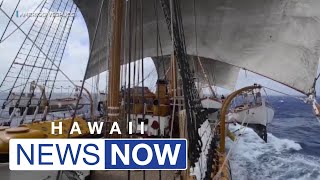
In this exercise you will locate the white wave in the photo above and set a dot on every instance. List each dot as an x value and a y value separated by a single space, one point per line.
279 159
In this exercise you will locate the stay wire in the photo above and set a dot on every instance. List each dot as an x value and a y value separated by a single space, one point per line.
126 59
158 40
87 67
142 71
32 54
317 77
9 35
33 42
61 22
195 25
158 66
131 23
27 37
10 19
283 93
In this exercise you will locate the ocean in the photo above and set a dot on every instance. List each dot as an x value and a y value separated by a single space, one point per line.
292 151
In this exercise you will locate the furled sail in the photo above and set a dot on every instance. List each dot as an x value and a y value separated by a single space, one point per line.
276 39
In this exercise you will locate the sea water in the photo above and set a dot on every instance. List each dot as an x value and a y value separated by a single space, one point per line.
292 151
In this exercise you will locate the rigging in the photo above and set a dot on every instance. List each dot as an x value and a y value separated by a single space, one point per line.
10 18
196 115
10 34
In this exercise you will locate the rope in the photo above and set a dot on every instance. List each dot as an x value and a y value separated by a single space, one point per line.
283 93
124 67
5 38
135 55
199 61
59 176
33 42
28 75
142 72
142 58
206 77
158 67
125 115
159 41
317 77
83 81
195 25
44 63
269 102
128 86
10 19
172 65
174 99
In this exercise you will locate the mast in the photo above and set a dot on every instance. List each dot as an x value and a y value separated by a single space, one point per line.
114 68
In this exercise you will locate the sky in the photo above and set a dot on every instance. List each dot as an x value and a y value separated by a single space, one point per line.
77 52
77 49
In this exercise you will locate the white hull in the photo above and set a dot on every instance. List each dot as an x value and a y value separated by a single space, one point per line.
255 115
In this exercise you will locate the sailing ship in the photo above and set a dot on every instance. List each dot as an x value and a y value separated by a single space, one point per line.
221 37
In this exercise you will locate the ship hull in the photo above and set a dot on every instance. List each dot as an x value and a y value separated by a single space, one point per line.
256 117
262 115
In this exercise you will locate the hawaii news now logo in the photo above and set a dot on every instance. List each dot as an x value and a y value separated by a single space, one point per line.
44 14
98 154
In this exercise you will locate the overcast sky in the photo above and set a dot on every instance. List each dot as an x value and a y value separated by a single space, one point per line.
77 50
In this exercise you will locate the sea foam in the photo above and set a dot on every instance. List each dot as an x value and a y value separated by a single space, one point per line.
252 158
